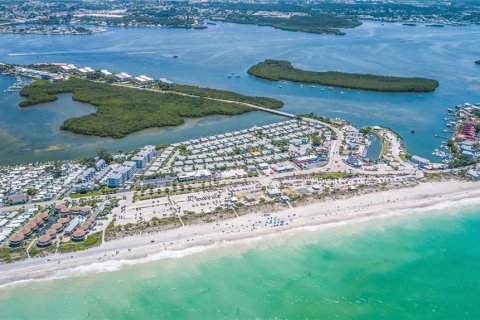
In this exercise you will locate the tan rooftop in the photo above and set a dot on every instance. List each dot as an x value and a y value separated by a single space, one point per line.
79 233
62 220
57 226
44 238
17 237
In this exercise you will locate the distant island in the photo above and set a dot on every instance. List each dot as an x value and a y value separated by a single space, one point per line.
304 22
49 30
276 70
477 62
124 110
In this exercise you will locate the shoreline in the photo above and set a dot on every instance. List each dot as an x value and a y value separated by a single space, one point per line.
176 243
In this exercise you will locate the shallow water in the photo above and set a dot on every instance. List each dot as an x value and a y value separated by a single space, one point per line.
207 56
422 266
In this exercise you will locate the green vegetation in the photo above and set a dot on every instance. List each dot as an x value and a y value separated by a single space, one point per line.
312 22
276 70
332 175
8 254
183 150
36 251
121 111
385 146
32 191
104 154
334 122
227 95
103 191
452 145
92 240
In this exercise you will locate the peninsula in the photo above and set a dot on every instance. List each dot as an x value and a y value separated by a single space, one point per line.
276 70
122 110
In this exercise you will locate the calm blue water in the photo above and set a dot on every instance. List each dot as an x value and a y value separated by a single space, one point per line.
373 152
207 56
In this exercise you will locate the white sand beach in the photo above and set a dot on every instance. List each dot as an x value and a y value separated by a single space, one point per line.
193 238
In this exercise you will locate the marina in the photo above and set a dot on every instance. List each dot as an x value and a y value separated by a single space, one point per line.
462 123
18 85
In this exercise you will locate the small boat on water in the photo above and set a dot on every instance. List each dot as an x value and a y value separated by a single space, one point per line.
280 87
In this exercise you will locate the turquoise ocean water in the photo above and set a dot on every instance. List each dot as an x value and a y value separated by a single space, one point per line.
422 266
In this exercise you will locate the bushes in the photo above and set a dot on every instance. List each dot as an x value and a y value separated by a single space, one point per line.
276 70
228 95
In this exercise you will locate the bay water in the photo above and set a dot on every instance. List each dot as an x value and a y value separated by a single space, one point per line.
206 57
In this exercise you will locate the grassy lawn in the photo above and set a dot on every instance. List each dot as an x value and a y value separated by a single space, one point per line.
276 70
92 240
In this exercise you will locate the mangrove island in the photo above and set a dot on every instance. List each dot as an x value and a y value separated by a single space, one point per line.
276 70
123 110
